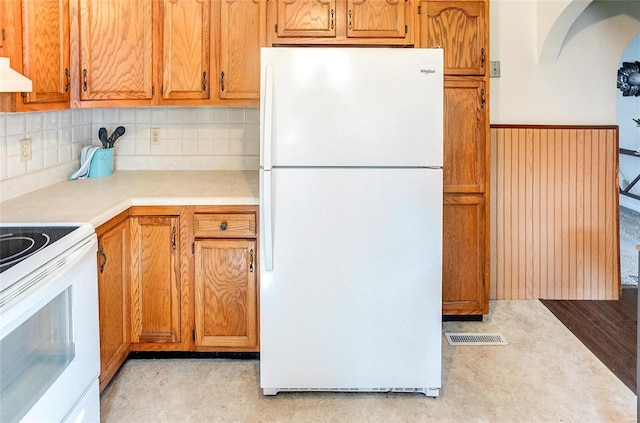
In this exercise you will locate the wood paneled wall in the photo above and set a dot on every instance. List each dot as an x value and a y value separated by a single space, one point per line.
554 212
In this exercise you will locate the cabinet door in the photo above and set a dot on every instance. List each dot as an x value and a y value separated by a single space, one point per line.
155 279
242 33
186 70
116 50
6 19
460 28
465 143
464 278
376 18
306 18
45 30
225 291
113 296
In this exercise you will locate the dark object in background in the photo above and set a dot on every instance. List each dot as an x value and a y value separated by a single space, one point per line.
119 131
102 136
629 79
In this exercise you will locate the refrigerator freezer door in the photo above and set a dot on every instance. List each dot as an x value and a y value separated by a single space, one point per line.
351 107
354 298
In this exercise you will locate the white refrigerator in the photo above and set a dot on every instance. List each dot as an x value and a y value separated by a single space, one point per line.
351 219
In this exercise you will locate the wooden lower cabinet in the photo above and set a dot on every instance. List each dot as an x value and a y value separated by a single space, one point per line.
226 293
113 295
155 279
177 278
464 261
225 278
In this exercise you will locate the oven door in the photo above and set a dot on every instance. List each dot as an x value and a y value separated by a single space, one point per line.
49 341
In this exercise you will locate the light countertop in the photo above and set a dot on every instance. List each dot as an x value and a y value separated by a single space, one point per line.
96 200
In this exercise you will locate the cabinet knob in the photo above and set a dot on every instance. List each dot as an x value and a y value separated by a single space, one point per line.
223 226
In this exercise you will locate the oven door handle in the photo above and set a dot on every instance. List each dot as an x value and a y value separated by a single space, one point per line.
101 252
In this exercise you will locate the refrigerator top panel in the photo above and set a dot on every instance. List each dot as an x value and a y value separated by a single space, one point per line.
351 107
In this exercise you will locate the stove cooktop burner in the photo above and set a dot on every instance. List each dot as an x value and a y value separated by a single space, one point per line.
18 243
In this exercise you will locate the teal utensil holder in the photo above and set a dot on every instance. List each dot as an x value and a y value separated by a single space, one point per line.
101 163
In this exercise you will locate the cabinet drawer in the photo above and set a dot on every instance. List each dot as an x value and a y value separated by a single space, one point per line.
219 225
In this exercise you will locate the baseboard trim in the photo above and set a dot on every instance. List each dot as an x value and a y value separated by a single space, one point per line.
193 354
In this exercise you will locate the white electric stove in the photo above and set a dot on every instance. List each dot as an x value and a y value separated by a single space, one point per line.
49 331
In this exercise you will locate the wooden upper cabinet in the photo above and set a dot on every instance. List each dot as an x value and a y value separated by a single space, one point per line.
116 50
341 22
242 33
45 32
306 18
465 115
376 18
460 28
186 72
35 36
5 15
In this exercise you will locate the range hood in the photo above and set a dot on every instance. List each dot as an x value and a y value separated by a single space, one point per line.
12 81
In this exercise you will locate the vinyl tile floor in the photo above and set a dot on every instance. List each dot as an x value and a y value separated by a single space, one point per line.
629 238
545 374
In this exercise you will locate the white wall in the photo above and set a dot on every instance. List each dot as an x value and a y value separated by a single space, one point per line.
628 108
580 87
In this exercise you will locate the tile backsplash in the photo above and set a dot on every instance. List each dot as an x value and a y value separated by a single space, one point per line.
191 138
56 138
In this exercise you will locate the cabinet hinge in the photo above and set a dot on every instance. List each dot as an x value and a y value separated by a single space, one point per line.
193 248
406 29
193 334
276 28
161 89
3 35
419 9
153 90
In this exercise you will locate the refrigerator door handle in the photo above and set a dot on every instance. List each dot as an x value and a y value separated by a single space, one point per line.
268 221
268 118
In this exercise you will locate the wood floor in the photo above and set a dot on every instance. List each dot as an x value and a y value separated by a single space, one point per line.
607 328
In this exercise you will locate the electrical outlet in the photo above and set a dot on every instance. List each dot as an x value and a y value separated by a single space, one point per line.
494 69
155 136
25 150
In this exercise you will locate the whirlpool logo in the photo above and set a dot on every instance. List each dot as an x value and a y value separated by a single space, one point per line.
427 71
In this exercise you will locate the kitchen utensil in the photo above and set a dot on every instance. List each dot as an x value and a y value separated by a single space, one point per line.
102 136
119 131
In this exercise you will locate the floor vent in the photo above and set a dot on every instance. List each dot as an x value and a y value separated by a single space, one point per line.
475 339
